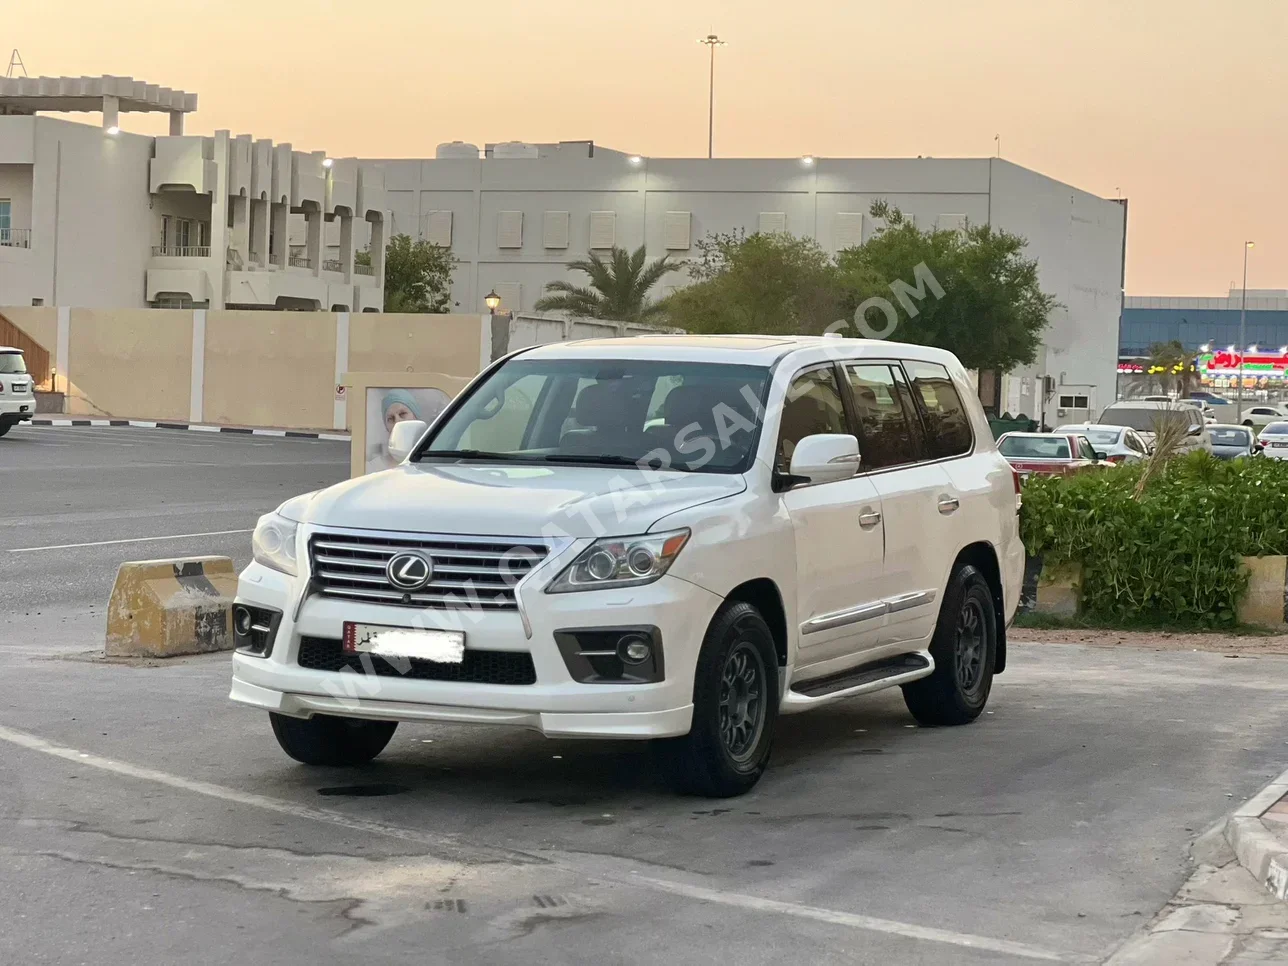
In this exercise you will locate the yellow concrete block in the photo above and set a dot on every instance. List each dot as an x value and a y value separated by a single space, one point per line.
1060 590
163 608
1264 601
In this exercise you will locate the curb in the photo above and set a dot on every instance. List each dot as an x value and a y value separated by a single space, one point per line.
195 427
1258 850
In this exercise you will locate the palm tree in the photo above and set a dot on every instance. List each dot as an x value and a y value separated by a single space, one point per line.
1172 365
618 288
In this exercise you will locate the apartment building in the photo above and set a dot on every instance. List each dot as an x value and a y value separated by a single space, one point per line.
92 216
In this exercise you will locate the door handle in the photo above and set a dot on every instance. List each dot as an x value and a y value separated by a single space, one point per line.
869 518
949 504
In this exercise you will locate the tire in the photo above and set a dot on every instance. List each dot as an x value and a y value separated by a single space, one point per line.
964 647
5 427
328 740
735 706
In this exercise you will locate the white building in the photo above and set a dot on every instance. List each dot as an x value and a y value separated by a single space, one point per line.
91 216
513 214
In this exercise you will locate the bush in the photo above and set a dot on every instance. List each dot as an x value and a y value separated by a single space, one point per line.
1171 556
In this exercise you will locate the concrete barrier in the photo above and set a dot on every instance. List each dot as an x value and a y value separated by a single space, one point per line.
1055 590
1265 603
163 608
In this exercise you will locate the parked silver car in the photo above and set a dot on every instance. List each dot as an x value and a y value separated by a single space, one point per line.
1231 442
1144 417
1119 444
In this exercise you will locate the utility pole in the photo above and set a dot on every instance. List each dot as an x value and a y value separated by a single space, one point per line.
711 41
1243 330
15 63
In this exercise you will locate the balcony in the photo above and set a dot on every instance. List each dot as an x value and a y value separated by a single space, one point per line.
15 237
180 251
364 270
332 265
299 261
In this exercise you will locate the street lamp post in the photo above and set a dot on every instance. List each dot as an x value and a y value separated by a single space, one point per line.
1243 330
712 42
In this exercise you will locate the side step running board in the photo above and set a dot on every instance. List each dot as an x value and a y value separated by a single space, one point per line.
865 674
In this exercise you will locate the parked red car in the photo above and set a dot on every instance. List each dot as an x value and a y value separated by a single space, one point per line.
1051 454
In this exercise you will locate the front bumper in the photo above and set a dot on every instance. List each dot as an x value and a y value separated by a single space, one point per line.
554 705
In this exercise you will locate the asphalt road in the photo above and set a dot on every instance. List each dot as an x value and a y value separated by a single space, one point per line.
143 819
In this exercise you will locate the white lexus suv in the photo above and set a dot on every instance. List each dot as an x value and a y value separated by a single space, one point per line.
675 538
17 398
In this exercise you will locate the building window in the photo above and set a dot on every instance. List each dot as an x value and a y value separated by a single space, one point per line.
5 225
1074 402
173 300
203 234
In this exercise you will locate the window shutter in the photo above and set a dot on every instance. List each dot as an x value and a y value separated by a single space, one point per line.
509 229
554 231
847 230
603 229
773 222
438 228
676 226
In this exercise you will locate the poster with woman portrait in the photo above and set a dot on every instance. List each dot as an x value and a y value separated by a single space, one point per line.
386 408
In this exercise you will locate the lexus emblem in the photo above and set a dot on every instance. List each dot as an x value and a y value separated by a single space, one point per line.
410 570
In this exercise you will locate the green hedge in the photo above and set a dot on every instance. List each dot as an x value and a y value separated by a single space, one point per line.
1173 555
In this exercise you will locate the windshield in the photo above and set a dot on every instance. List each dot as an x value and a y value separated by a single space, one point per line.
680 415
1097 436
12 363
1146 420
1229 437
1035 447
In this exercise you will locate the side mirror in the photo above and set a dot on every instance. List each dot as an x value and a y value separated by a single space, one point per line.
1100 454
1257 449
826 458
1196 430
404 438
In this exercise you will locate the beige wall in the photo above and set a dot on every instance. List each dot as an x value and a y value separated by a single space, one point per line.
381 342
270 368
132 363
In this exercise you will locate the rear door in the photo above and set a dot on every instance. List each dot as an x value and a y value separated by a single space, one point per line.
893 447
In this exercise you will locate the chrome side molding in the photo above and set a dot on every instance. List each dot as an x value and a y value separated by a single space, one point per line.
866 612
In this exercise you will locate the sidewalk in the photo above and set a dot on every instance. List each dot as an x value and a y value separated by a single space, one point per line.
331 434
1258 833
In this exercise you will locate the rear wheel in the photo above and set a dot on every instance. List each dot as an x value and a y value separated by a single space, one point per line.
965 650
329 740
735 705
5 427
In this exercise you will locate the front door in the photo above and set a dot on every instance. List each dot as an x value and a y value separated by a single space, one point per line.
838 531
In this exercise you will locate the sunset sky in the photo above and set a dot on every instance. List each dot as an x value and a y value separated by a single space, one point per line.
1180 105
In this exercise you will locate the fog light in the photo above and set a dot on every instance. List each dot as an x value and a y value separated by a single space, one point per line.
242 621
633 649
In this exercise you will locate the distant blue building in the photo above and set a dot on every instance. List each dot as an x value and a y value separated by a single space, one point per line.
1197 322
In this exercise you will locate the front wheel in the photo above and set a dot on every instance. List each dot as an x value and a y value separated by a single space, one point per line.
965 650
735 705
5 427
329 740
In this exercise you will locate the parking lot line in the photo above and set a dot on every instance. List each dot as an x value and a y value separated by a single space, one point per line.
108 543
459 851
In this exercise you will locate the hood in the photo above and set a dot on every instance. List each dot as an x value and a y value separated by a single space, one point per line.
516 501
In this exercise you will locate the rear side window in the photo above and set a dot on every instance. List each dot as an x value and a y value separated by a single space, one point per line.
947 424
884 436
1085 449
813 405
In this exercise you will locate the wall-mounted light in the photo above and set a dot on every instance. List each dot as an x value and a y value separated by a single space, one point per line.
808 160
327 162
1253 347
113 130
492 301
635 159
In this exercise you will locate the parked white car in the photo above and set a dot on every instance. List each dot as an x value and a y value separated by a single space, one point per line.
1262 414
1118 444
656 538
17 397
1144 417
1274 440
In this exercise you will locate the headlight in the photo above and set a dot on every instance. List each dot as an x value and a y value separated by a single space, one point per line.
273 544
621 562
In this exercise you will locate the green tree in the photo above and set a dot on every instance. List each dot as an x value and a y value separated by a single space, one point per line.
1172 365
772 283
992 310
418 275
618 289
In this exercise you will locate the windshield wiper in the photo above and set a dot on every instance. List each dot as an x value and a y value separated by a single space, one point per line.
474 454
592 460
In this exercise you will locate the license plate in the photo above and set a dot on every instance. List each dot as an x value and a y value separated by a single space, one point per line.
1278 445
420 644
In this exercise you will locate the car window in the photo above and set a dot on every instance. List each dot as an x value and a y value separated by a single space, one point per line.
1035 447
1229 437
948 431
813 405
884 435
1135 442
12 363
1085 450
1146 420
